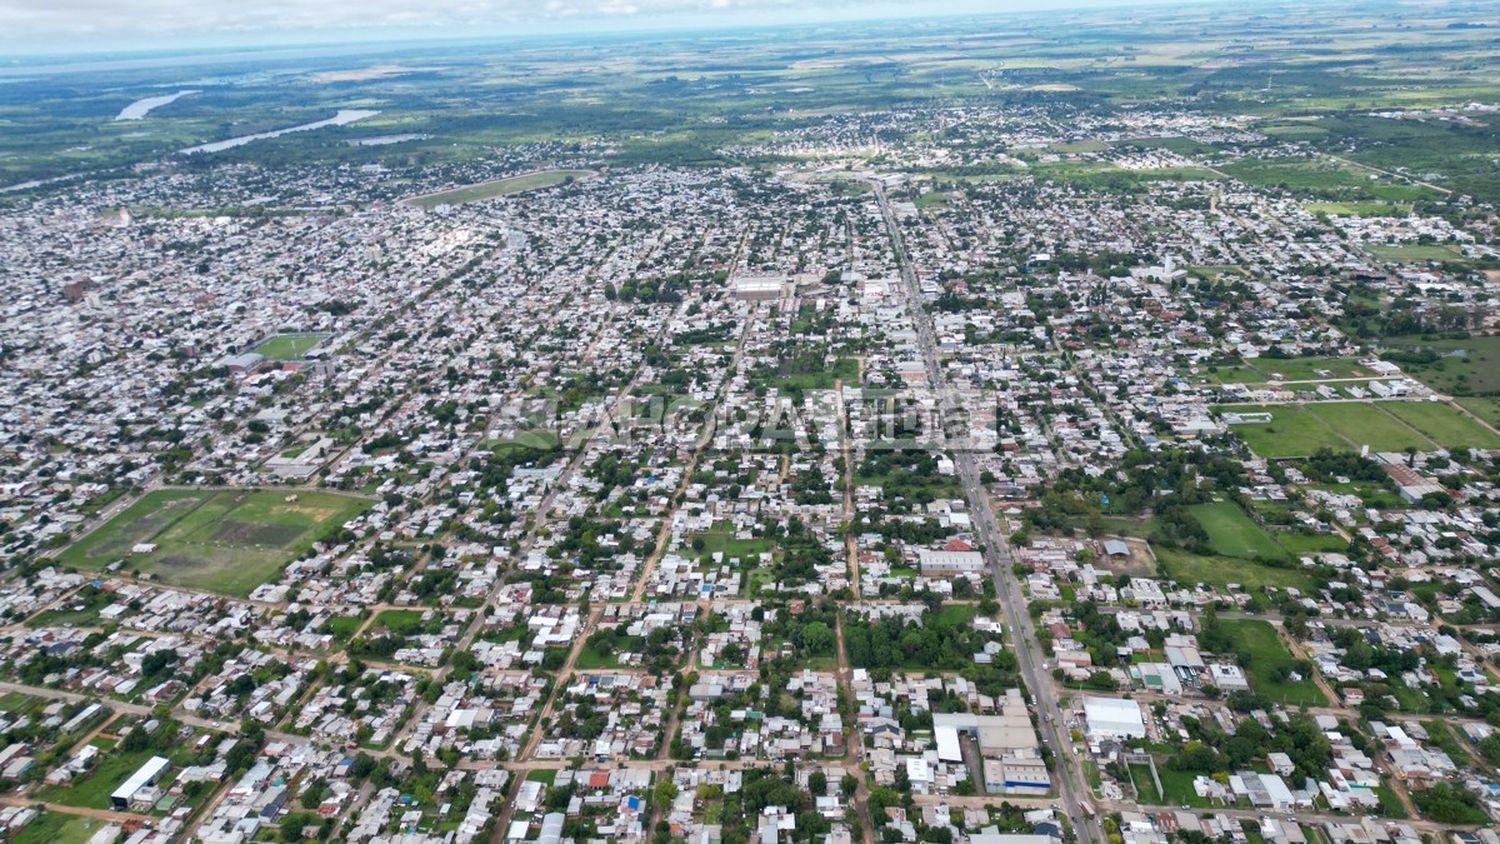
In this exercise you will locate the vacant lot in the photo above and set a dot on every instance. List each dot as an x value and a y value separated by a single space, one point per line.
289 346
57 828
1467 366
499 187
227 541
1187 568
1234 534
1270 663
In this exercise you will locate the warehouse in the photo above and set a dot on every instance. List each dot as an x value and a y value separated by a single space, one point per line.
937 561
146 775
1112 718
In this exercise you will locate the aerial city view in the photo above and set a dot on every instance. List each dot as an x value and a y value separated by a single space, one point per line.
759 422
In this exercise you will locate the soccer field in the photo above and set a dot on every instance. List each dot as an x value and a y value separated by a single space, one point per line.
1234 534
289 346
226 541
498 187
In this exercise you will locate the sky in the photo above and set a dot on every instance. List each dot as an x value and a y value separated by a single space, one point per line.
57 26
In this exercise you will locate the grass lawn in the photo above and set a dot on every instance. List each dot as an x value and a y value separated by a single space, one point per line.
1178 786
1390 804
1234 534
58 828
1297 543
398 622
1467 366
1145 787
1363 423
226 541
1442 424
93 790
589 658
499 187
1292 432
758 580
1414 253
341 627
1185 567
724 542
843 369
1267 655
289 346
1486 409
19 703
1309 369
1356 209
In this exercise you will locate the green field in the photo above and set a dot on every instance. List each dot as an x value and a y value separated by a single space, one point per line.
1234 534
1414 253
1484 408
1268 657
1364 423
58 828
1443 425
1292 432
499 187
1300 430
1356 209
1467 366
1185 567
289 346
226 541
93 789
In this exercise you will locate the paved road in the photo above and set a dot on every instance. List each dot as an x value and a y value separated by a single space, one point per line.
1066 774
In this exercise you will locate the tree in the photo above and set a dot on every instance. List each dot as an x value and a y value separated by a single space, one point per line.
818 638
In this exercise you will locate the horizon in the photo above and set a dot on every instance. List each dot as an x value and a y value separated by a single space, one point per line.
27 49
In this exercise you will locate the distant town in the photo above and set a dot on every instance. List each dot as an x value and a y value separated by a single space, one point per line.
963 472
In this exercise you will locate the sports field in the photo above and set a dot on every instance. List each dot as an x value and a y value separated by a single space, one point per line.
1300 430
1292 432
226 541
1443 425
1414 253
498 187
1363 423
1234 534
289 346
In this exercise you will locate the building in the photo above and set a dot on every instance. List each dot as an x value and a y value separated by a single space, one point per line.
1113 718
146 775
939 561
759 288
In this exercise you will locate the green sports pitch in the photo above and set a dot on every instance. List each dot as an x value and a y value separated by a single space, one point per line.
289 346
225 541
